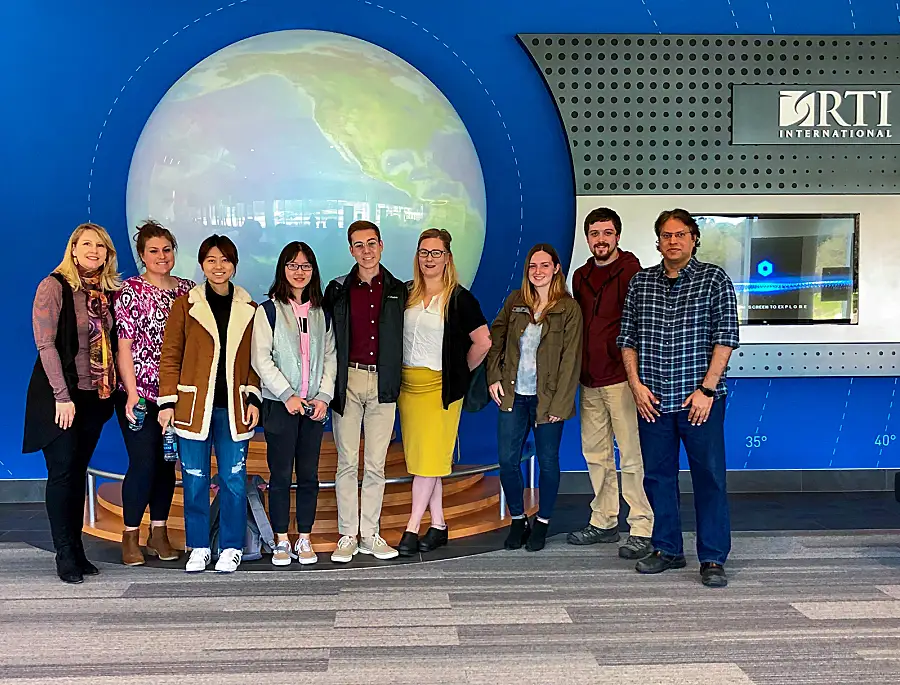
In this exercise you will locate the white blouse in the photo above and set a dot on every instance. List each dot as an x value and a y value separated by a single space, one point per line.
423 334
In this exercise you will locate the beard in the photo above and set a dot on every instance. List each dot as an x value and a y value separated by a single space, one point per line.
602 251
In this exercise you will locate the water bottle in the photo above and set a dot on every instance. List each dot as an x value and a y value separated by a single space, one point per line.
140 412
170 444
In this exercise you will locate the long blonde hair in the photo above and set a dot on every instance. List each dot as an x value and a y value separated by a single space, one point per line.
451 279
109 275
558 289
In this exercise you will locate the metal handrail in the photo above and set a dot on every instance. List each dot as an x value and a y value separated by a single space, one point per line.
93 474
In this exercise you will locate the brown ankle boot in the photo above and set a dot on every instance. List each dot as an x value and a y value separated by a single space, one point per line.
158 544
131 549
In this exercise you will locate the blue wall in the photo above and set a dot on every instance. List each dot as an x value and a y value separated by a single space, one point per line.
87 76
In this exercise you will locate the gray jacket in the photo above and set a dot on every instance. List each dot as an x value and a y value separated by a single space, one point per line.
275 355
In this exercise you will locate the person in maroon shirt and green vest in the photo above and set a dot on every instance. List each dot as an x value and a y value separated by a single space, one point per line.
366 307
607 405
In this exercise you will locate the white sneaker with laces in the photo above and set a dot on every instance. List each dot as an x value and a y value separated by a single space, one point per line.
304 552
229 560
281 555
198 560
346 548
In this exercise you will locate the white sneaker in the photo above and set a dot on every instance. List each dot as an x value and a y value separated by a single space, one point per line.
199 560
229 560
346 548
377 547
304 552
281 555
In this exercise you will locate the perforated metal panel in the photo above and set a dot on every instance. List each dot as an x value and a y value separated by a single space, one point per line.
651 114
814 359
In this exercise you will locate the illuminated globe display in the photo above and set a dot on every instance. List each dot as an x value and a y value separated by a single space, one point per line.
293 135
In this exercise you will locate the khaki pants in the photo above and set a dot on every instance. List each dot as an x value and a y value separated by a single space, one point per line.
605 411
361 410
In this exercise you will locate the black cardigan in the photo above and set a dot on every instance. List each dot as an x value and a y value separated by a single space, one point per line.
40 404
463 316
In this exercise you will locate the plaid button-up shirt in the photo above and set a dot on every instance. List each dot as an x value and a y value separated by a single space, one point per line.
674 328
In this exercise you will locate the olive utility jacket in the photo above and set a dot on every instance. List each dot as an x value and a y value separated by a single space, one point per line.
558 355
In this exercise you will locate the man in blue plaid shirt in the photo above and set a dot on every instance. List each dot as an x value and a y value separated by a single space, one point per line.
679 327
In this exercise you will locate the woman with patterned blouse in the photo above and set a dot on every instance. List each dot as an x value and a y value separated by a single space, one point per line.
142 310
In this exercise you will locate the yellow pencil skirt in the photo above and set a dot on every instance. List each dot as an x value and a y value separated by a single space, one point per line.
429 431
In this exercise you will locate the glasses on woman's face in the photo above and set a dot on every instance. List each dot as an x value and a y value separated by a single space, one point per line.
435 254
293 266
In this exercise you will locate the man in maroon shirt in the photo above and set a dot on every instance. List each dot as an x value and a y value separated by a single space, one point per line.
366 310
607 405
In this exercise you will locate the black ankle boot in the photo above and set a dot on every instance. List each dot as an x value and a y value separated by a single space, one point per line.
409 544
67 567
87 568
519 530
434 538
538 536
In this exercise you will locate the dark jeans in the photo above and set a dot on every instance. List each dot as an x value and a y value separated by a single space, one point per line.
150 479
512 430
292 445
67 460
705 447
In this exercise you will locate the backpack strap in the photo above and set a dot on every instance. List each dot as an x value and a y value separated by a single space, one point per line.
266 534
269 308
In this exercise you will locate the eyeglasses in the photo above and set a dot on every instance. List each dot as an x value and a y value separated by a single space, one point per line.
371 244
674 236
435 254
293 266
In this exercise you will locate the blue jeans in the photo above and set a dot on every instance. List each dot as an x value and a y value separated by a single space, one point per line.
195 467
705 447
512 430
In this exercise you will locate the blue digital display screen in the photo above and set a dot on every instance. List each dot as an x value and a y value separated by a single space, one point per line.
786 269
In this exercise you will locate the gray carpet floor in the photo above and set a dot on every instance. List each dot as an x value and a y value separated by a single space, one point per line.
818 608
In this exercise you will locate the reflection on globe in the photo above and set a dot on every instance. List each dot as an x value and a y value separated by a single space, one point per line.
293 135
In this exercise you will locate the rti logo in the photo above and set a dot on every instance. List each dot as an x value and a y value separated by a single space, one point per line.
834 114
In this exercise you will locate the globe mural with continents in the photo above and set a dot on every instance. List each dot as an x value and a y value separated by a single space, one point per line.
293 135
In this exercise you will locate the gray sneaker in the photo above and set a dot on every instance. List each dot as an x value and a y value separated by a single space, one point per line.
591 534
636 547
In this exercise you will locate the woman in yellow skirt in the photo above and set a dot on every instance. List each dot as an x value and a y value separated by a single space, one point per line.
445 336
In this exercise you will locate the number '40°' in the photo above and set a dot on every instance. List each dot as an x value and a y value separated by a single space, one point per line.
884 440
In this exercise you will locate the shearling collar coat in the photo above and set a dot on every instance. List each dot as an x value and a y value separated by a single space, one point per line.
190 358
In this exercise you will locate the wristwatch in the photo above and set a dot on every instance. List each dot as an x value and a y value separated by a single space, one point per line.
706 391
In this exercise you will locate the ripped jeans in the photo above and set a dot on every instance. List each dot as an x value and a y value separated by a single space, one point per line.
195 466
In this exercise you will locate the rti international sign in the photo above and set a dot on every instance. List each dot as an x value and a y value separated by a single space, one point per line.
813 115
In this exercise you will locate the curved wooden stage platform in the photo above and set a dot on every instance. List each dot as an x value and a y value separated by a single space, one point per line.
471 502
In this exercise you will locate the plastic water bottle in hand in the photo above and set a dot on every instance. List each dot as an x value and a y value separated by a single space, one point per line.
140 412
170 444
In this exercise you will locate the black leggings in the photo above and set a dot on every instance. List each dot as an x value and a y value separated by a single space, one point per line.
150 479
67 460
292 443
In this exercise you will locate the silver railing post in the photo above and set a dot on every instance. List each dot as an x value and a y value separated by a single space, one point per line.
502 504
531 461
92 504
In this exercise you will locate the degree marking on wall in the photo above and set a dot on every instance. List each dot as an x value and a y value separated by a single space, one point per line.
759 421
733 16
887 422
769 8
650 14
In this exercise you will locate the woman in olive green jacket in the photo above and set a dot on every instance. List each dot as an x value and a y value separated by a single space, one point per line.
532 372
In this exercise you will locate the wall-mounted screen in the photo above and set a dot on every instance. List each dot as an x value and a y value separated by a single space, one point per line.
787 268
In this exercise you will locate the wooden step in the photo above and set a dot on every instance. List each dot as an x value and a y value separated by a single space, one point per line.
109 497
109 525
395 467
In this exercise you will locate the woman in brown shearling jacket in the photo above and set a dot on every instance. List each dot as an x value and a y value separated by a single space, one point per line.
209 393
